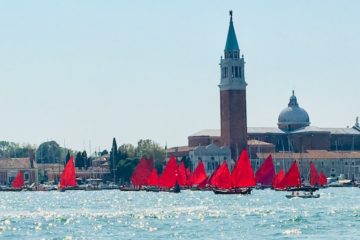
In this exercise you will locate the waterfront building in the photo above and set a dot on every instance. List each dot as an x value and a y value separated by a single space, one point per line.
212 156
9 168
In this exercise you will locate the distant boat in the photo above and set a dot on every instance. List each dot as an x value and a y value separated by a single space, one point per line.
240 181
291 179
198 179
169 180
322 179
265 174
68 176
142 172
314 178
18 182
292 182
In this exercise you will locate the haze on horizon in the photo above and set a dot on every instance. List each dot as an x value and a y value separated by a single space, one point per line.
88 71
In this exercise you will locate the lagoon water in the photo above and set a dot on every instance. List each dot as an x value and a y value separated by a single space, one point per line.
265 214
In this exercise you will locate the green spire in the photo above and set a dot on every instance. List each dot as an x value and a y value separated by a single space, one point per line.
231 41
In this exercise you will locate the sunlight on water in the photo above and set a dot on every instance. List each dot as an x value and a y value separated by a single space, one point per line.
188 215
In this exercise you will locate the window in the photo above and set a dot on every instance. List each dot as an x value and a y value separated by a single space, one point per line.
232 72
236 71
224 72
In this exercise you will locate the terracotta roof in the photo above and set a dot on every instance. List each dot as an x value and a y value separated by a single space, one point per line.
312 154
15 163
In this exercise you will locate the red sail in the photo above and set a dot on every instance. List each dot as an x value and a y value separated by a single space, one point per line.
182 175
169 176
292 177
322 179
314 176
212 175
153 179
68 176
199 175
243 175
222 177
202 185
18 181
278 178
266 173
142 172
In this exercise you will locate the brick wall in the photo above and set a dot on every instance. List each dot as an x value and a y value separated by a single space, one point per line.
233 120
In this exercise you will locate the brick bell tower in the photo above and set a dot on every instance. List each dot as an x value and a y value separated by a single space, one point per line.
233 95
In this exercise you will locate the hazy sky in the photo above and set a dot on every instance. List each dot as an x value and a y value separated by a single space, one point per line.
88 71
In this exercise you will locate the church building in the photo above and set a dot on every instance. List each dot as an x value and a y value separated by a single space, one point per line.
294 136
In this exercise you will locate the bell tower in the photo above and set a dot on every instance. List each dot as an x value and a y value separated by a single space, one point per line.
233 95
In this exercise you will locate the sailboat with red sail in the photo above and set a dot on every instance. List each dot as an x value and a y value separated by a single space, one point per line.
68 176
314 176
277 179
322 179
168 180
153 182
242 178
182 175
292 182
141 173
291 179
221 179
153 178
198 179
265 174
18 182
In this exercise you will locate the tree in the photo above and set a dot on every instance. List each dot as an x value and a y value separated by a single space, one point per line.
79 163
48 152
126 167
14 150
127 149
84 159
114 159
152 150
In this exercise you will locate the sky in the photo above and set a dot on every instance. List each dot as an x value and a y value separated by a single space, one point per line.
83 72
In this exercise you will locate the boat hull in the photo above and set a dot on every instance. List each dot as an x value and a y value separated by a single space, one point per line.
303 196
129 189
243 191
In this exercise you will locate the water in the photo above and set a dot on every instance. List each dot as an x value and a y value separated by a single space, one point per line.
264 214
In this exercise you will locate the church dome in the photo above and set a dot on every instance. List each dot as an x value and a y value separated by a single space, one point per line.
293 117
